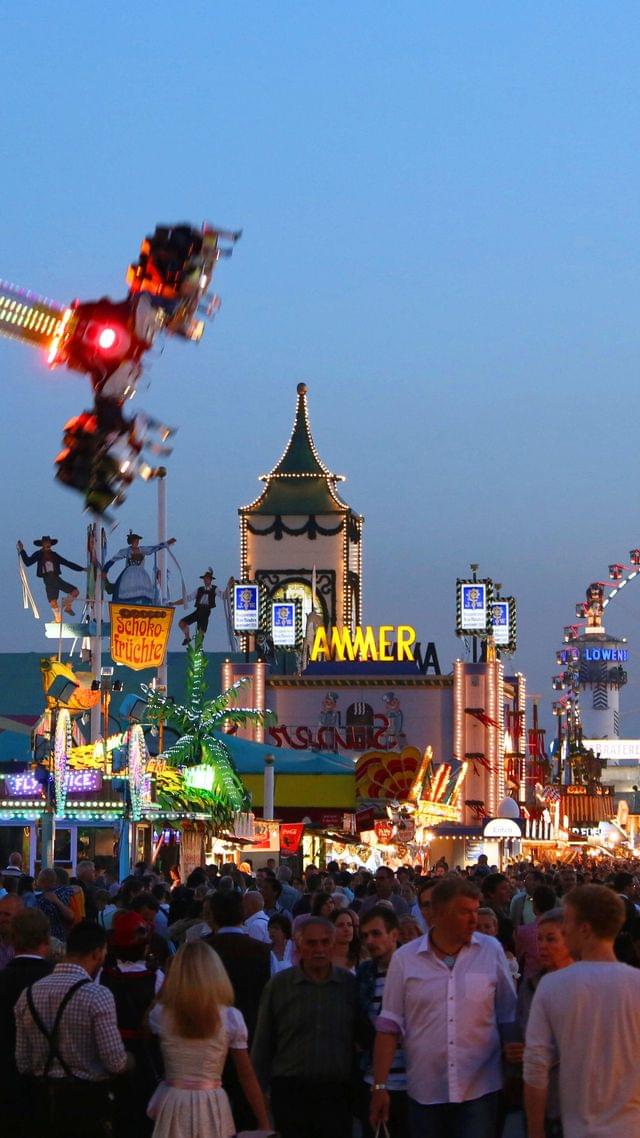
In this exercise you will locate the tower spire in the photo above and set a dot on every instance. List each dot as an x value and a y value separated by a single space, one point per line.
300 482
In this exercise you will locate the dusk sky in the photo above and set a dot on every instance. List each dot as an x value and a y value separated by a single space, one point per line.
440 214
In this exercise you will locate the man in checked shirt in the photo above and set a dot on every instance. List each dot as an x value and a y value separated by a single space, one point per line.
67 1040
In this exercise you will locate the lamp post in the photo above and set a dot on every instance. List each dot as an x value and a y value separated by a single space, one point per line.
105 685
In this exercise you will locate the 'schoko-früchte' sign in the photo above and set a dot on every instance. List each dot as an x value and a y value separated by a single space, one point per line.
140 635
385 644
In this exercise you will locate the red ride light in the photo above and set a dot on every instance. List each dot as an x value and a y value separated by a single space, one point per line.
107 338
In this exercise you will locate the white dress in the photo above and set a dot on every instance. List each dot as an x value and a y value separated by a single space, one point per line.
134 583
190 1102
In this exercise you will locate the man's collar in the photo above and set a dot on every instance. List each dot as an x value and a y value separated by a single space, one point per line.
426 946
231 929
69 967
337 976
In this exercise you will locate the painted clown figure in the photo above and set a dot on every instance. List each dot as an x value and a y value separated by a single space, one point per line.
394 735
205 601
48 569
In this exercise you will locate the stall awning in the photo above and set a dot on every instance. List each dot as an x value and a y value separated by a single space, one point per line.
249 759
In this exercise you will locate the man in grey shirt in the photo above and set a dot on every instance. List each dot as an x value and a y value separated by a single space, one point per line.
587 1019
384 885
303 1048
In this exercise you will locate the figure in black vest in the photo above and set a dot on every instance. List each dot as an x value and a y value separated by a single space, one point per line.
30 936
48 568
205 598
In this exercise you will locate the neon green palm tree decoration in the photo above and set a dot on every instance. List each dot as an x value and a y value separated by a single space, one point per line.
197 722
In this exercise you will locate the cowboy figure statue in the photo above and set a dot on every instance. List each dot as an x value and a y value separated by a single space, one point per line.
205 599
48 568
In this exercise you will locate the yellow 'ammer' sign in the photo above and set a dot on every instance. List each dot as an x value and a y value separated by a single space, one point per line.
366 643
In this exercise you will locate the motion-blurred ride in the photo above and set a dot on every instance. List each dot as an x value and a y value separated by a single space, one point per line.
107 340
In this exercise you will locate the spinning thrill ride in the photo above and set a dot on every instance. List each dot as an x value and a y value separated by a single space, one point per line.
103 450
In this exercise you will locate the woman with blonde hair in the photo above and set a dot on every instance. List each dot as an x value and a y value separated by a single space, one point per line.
197 1026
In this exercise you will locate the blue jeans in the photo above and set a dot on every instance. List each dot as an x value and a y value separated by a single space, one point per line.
477 1118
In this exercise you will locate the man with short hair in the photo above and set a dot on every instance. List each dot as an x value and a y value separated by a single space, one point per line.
289 895
13 868
256 921
66 1028
313 883
384 885
586 1019
304 1046
248 964
247 961
521 907
29 933
447 994
10 905
567 879
271 890
481 868
496 892
379 933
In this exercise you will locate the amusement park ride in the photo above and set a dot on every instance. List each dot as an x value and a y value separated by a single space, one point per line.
593 660
103 450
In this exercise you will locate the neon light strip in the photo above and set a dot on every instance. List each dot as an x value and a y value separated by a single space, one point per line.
26 317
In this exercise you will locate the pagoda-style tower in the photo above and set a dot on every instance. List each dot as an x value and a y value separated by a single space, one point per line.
299 522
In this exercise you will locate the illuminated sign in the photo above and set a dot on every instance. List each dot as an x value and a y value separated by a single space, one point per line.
501 828
501 622
608 655
283 623
474 608
200 777
246 608
366 643
614 750
140 635
504 624
77 782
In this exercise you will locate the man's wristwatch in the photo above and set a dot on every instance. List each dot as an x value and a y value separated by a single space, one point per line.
379 1086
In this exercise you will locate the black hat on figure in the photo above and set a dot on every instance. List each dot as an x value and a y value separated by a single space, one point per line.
131 537
45 537
208 573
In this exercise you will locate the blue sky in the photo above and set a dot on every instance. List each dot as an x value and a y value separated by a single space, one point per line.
440 211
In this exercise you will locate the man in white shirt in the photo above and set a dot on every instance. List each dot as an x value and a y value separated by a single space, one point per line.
446 994
256 921
586 1018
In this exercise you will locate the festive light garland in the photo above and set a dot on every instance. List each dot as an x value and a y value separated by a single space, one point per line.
137 759
61 746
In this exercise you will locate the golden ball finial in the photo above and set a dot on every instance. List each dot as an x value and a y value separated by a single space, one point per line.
302 389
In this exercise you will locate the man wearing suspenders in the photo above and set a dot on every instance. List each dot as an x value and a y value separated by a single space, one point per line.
67 1041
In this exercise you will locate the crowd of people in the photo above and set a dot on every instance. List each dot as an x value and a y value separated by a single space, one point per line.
408 1003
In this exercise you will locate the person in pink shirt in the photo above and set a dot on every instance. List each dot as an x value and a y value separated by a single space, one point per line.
544 900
